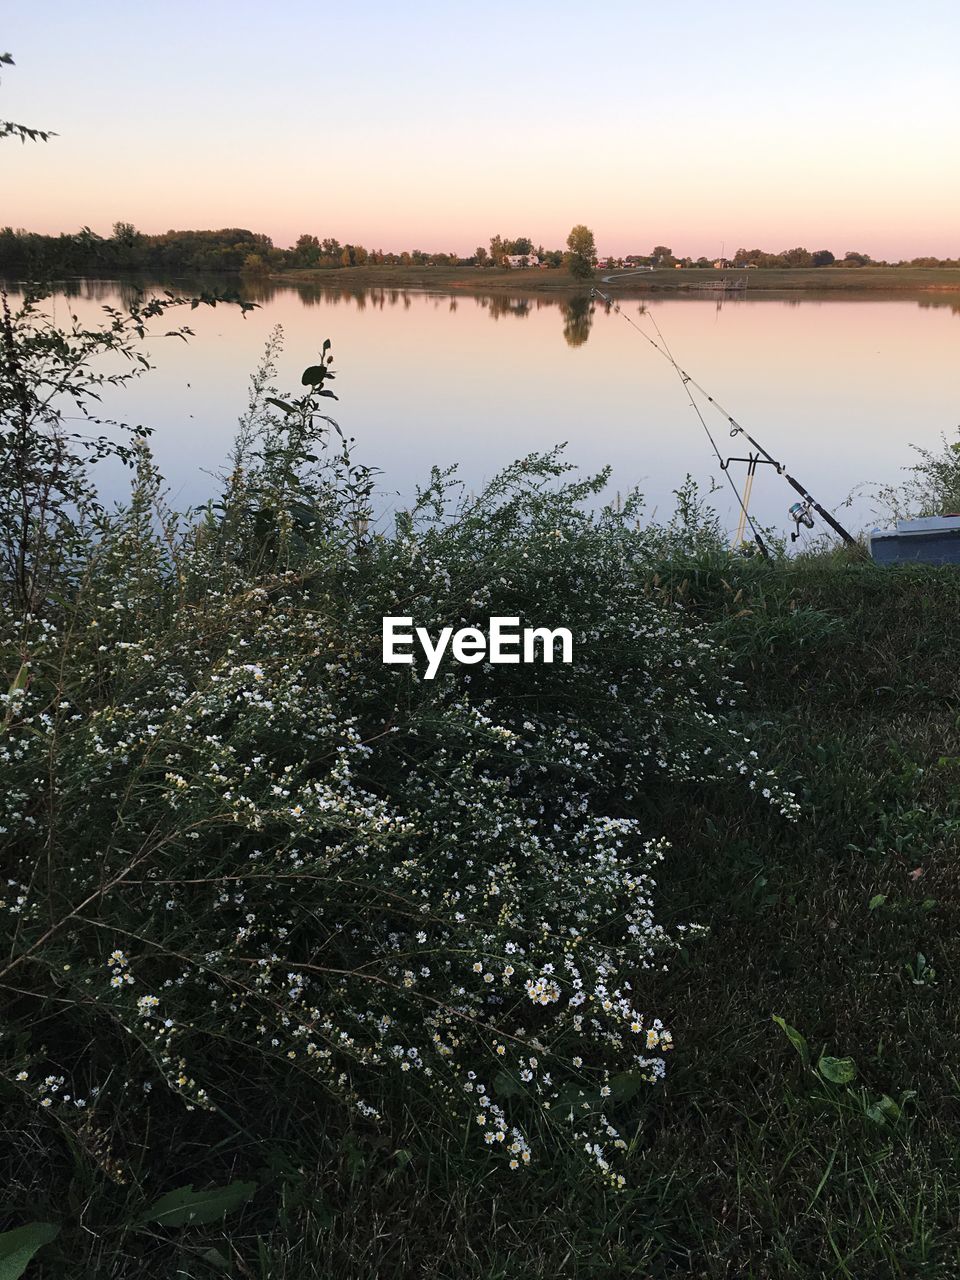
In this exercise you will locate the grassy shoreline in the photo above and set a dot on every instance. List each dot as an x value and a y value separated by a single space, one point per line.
843 281
746 1162
290 923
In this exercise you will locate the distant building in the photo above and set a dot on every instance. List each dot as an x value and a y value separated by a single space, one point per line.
521 260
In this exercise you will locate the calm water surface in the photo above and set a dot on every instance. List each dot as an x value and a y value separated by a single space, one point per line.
837 389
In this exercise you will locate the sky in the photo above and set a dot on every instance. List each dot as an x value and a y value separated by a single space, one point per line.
695 125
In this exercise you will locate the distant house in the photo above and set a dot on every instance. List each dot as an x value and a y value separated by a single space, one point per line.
721 263
521 260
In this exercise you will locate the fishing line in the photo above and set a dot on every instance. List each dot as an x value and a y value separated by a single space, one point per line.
800 511
685 380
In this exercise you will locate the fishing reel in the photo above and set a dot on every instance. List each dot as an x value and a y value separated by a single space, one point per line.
801 517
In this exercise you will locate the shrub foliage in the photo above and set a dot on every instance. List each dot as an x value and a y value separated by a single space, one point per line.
245 856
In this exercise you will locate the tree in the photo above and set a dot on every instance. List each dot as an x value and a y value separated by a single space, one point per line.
823 258
497 250
582 252
306 252
798 257
480 256
125 233
661 255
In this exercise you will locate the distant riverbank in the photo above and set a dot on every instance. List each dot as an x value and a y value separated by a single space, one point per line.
833 280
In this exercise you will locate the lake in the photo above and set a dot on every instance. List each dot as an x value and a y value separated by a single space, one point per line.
837 389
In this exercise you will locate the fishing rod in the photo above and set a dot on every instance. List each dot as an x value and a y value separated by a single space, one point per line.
800 511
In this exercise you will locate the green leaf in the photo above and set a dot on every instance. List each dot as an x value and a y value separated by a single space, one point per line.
315 374
888 1107
21 678
326 344
281 404
795 1038
17 1247
876 901
626 1084
185 1206
837 1070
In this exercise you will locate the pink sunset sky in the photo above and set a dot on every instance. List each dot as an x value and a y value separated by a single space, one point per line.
435 127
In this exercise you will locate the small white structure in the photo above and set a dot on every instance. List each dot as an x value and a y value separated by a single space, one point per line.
521 260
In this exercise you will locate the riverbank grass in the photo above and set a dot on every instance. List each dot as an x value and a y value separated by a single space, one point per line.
641 965
870 281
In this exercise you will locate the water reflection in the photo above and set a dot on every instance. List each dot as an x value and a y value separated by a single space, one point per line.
836 386
577 320
500 305
952 303
576 314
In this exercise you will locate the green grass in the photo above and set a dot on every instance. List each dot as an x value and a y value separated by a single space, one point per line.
825 1144
851 687
747 1163
870 280
820 279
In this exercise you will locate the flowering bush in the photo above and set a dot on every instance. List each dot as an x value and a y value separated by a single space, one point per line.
244 854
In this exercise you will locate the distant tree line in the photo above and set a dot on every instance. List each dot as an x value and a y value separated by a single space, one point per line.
662 256
234 249
229 249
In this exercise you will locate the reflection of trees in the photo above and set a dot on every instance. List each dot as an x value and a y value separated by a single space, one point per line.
577 319
952 303
577 312
499 304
